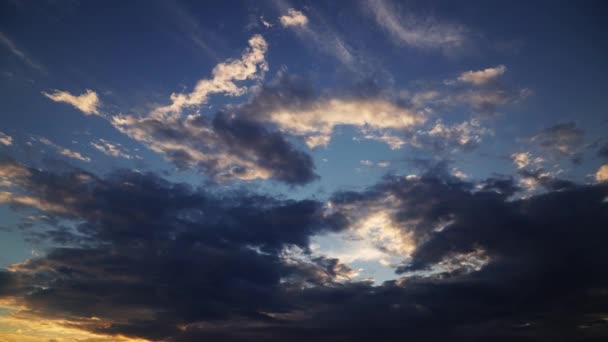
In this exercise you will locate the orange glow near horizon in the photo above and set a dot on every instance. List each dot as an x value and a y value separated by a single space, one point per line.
16 325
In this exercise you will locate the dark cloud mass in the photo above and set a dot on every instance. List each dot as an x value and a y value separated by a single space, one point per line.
163 261
228 147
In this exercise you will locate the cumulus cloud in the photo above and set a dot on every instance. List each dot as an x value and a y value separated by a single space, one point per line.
425 33
88 102
602 173
5 139
293 18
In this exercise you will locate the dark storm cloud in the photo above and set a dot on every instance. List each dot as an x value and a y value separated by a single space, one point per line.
165 261
149 255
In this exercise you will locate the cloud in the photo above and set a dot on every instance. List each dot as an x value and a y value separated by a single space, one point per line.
5 139
602 173
484 96
139 253
482 76
149 243
230 146
251 65
110 149
11 174
465 135
227 146
12 47
370 163
481 90
525 159
422 33
293 18
317 122
562 140
88 102
322 36
62 150
295 109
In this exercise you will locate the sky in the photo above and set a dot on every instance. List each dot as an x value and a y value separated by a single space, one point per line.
303 170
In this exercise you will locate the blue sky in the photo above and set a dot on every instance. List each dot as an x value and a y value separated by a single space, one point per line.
298 101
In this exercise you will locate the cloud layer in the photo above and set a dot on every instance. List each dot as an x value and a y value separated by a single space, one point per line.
138 252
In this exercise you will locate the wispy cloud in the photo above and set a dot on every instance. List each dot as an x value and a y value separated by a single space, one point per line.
87 102
425 33
110 149
321 35
62 150
12 47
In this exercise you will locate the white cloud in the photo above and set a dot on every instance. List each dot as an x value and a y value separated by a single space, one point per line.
249 66
482 76
88 102
5 139
422 33
317 122
293 18
602 173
